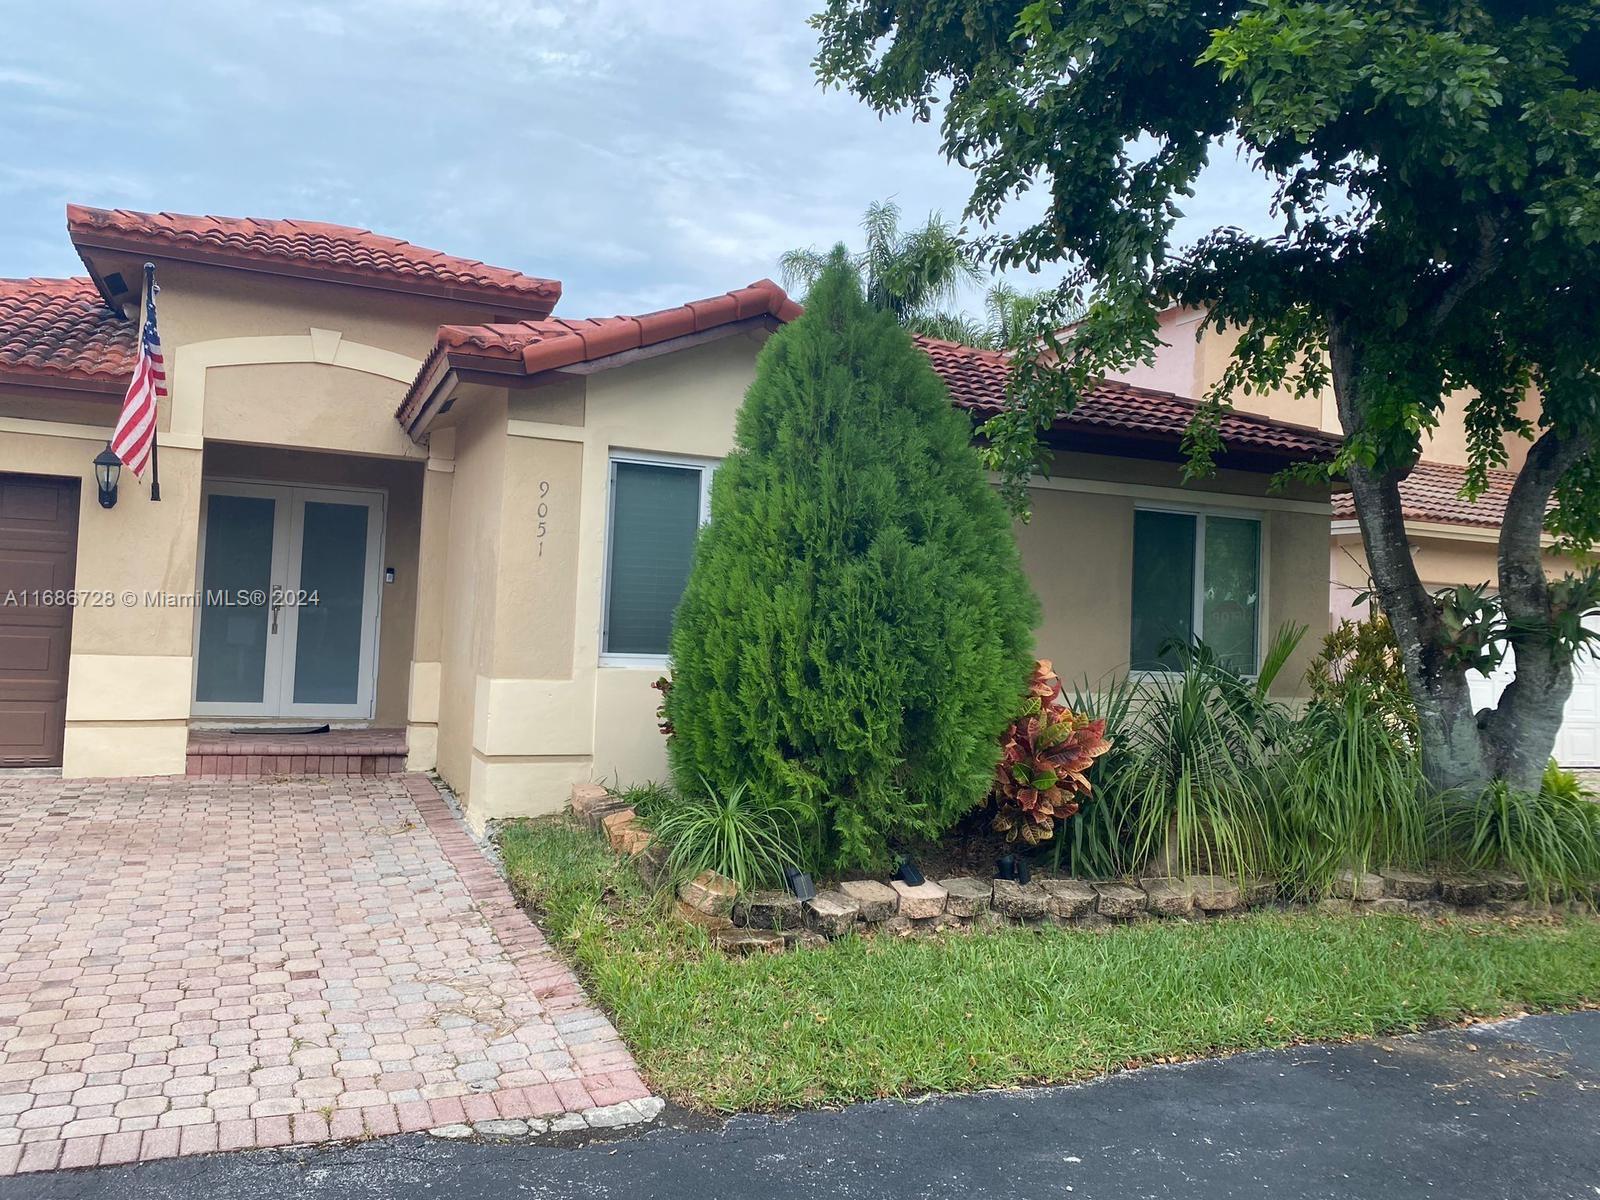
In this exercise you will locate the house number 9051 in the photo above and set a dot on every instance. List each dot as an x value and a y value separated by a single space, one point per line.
544 512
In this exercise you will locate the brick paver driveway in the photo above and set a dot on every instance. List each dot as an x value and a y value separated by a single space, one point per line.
199 964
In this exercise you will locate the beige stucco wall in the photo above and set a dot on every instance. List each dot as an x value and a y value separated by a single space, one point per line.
1190 363
433 550
469 593
128 681
317 406
1078 552
200 302
526 707
262 370
1458 557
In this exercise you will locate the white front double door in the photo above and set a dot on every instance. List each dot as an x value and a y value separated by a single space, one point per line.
290 581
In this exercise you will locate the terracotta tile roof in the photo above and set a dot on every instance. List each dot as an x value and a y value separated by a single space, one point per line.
976 378
311 248
56 332
1432 492
977 382
530 347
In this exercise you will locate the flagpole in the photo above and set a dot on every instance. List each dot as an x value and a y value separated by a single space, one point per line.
155 417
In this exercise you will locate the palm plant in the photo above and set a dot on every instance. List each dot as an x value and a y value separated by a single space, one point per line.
1195 787
1095 841
912 273
917 274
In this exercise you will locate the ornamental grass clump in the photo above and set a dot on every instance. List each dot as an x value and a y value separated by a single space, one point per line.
1349 793
1551 838
734 832
856 626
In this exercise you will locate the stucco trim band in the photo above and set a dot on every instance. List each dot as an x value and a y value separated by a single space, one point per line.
1437 529
85 433
517 427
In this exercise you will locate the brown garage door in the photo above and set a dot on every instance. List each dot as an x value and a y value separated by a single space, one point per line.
38 553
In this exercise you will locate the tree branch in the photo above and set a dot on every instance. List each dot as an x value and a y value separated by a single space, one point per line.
1524 591
1380 512
1521 728
1468 275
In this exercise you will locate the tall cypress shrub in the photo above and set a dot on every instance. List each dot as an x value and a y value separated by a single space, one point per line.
857 629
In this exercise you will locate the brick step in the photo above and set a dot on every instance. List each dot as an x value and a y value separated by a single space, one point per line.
269 753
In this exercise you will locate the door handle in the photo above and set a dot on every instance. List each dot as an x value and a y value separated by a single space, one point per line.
277 603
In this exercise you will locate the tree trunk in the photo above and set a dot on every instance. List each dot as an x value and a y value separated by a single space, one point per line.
1452 755
1520 732
1461 748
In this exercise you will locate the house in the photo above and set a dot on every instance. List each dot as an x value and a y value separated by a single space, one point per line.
1453 540
403 500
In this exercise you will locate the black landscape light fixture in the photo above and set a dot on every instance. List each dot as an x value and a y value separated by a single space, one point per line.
107 470
908 873
800 884
1013 866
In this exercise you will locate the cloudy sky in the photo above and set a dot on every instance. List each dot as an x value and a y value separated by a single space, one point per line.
645 152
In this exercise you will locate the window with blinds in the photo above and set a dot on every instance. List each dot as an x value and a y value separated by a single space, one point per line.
656 510
1195 575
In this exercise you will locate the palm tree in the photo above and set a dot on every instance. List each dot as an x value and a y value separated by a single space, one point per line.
917 274
1008 319
912 273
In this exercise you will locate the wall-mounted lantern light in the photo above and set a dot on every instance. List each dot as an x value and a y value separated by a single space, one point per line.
107 470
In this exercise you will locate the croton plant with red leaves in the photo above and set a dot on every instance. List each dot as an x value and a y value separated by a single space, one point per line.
1045 757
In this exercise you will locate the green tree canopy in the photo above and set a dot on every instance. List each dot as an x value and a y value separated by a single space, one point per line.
856 630
1435 166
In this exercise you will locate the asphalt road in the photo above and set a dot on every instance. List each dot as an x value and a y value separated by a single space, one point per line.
1508 1110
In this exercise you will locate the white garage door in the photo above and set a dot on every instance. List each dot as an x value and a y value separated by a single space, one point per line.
1578 743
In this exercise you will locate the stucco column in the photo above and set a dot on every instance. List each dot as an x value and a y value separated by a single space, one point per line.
130 675
433 558
533 728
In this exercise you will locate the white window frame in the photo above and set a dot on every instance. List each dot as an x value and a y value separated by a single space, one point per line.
1197 613
707 468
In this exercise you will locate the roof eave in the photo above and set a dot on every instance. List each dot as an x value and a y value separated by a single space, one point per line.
58 384
536 305
448 367
1166 447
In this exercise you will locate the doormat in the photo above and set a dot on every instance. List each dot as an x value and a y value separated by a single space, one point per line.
258 731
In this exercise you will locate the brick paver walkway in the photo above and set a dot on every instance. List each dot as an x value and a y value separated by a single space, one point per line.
192 964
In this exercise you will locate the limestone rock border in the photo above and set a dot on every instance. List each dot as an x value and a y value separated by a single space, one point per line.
770 922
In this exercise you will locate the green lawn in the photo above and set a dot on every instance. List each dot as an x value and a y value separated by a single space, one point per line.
868 1017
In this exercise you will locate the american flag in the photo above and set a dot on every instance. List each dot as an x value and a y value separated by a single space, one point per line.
135 436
